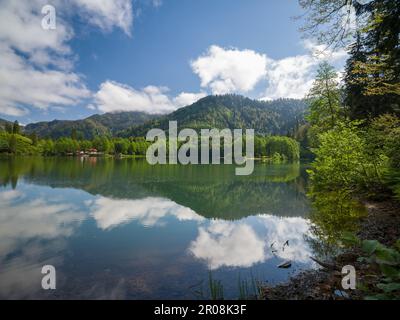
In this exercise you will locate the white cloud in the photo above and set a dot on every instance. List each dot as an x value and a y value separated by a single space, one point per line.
239 71
36 68
36 64
292 77
230 70
20 28
12 110
106 14
110 213
26 79
23 84
185 98
113 97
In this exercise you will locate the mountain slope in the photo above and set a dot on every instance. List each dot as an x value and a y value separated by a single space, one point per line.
105 124
276 117
3 124
121 120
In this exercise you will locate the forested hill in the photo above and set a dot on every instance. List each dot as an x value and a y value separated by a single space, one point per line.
278 117
97 125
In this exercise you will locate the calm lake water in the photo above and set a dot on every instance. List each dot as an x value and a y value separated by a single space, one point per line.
118 229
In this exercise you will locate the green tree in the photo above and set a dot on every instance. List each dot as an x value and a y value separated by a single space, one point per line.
343 160
383 141
102 144
85 145
373 69
66 146
375 65
282 148
74 134
358 103
16 128
131 148
34 138
48 147
325 102
121 146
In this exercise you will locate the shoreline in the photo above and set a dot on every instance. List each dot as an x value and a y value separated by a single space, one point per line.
381 223
133 156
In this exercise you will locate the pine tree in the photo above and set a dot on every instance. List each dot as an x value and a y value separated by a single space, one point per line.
74 134
358 103
373 70
16 128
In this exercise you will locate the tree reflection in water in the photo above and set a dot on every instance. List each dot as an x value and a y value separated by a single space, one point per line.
332 213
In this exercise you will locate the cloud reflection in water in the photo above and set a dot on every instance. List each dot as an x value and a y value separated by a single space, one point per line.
34 230
219 242
110 213
237 244
32 233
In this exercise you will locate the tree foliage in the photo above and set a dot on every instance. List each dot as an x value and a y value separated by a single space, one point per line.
325 108
344 160
372 79
277 148
373 69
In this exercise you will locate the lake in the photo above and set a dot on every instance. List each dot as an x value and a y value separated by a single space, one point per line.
122 229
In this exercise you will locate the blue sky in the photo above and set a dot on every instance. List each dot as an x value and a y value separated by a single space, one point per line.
148 55
165 39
